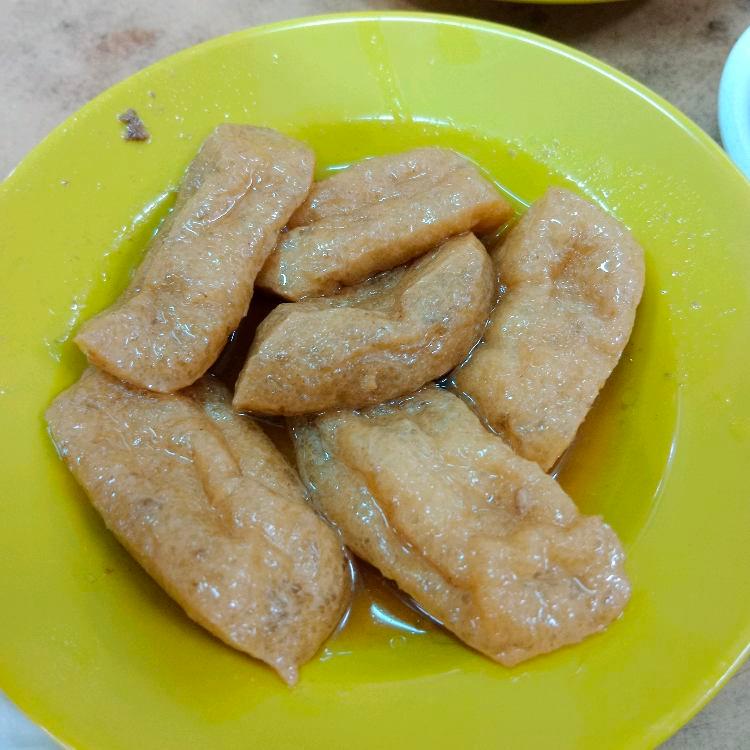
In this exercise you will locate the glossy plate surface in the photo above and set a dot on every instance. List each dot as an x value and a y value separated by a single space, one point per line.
93 650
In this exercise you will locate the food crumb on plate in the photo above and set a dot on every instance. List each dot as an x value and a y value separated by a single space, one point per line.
135 130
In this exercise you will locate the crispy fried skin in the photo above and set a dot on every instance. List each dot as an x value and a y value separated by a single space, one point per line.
196 280
376 341
379 214
573 277
209 507
482 539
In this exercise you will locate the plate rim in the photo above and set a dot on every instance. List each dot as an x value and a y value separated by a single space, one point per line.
643 92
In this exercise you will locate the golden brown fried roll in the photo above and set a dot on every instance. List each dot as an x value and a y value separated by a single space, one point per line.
372 342
573 277
196 281
379 214
208 506
482 539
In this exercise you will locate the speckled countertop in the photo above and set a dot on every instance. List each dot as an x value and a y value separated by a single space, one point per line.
57 54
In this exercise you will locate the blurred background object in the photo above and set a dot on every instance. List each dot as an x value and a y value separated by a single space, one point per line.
734 104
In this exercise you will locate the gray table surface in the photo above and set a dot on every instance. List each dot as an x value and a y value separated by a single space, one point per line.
57 54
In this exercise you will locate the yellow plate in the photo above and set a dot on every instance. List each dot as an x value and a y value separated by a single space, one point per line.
92 649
